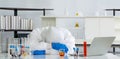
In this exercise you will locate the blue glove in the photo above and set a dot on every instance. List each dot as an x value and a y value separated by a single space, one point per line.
58 46
38 52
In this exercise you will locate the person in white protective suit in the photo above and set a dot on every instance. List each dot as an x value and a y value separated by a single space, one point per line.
42 39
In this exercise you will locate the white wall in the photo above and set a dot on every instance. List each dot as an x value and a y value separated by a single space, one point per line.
61 7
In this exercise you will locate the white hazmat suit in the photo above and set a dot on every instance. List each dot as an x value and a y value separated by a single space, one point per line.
41 39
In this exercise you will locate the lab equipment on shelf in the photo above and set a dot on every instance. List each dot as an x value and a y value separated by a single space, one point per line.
18 47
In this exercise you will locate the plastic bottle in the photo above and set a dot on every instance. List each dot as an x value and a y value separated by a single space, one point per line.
77 14
17 51
12 50
27 49
85 48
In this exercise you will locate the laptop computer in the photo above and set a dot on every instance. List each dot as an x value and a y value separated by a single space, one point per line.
99 46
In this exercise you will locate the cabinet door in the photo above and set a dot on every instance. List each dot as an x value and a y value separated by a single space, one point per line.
117 28
107 26
48 22
69 23
91 28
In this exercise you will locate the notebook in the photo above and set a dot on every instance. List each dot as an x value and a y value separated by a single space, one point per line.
99 46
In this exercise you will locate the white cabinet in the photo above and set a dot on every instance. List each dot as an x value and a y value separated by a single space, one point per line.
100 26
90 27
107 27
69 23
48 21
66 22
117 29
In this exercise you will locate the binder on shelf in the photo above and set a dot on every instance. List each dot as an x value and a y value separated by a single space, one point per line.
30 24
12 22
18 22
9 19
2 18
22 23
6 22
25 23
15 23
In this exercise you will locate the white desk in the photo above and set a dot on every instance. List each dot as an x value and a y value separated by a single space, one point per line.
106 56
113 46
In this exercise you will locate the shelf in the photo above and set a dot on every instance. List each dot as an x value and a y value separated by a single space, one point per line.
23 9
16 30
31 9
113 10
16 35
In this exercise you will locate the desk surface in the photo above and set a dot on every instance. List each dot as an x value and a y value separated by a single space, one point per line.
106 56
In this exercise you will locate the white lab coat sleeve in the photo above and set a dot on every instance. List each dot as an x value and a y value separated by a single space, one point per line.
44 32
69 40
34 38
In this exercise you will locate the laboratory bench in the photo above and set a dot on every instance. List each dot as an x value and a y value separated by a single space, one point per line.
106 56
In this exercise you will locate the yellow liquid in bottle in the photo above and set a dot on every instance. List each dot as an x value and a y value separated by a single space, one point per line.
77 14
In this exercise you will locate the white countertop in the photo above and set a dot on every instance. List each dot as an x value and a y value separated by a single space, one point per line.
106 56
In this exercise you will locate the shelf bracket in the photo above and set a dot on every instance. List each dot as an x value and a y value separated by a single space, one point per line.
15 12
43 12
15 34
